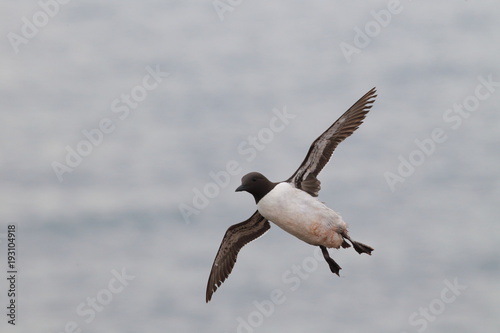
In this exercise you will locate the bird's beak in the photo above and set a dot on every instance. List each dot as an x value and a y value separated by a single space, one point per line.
240 188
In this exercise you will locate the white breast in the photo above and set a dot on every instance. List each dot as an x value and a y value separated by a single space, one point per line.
302 215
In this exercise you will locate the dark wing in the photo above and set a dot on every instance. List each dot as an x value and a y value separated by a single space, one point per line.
322 148
236 237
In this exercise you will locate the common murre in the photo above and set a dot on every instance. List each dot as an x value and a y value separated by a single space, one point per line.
292 204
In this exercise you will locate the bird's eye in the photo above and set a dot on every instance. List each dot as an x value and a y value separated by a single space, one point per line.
254 179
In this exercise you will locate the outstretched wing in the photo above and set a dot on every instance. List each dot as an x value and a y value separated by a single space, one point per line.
235 238
322 148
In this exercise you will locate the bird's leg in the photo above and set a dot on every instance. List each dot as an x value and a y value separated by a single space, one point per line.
359 247
334 267
345 245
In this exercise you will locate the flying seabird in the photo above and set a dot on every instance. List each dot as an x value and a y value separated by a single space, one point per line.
292 204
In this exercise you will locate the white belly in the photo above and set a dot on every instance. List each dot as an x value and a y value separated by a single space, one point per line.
302 215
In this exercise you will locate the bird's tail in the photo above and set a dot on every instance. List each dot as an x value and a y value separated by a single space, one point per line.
362 248
359 247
